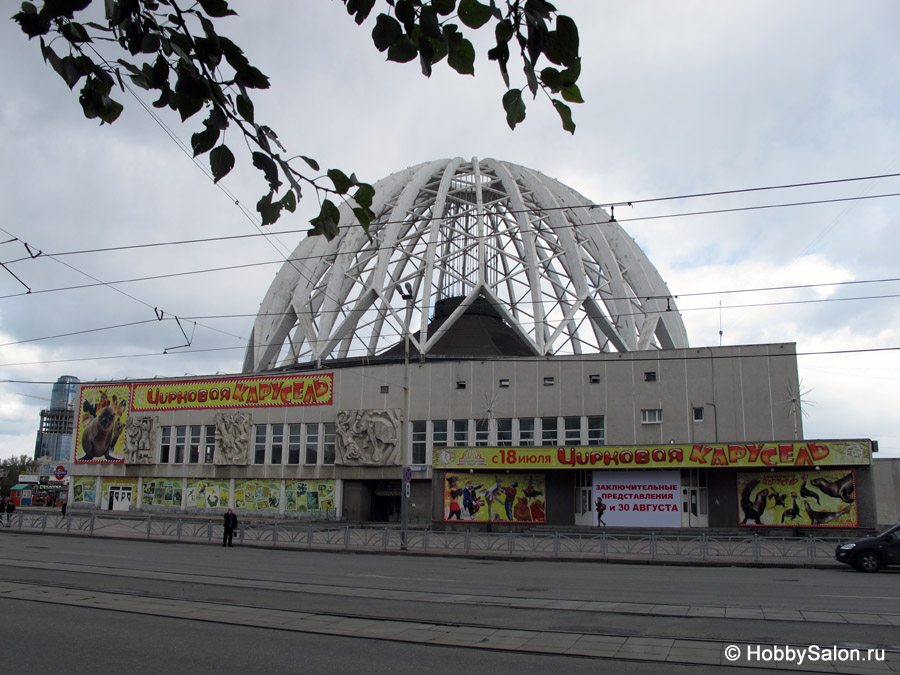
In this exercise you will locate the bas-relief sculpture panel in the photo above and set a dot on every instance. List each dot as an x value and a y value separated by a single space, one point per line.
368 437
141 435
232 439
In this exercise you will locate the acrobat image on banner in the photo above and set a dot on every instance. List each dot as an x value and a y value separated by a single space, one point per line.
637 498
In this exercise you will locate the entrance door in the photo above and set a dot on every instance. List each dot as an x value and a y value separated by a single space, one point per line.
584 510
695 507
120 498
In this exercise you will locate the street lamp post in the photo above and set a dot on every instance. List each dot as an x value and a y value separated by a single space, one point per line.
405 429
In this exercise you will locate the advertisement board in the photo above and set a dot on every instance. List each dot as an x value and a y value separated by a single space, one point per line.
240 392
637 498
797 498
102 413
699 455
510 497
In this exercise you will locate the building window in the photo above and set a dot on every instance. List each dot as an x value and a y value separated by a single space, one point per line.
549 381
572 429
526 431
294 443
594 379
481 433
209 455
385 389
698 414
650 376
165 444
329 435
277 443
194 454
549 431
461 384
460 433
504 382
439 434
180 438
312 444
504 432
259 445
596 428
419 441
652 416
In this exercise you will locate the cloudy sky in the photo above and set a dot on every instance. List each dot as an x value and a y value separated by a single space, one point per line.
681 98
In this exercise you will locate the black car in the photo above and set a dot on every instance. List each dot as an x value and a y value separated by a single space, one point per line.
870 554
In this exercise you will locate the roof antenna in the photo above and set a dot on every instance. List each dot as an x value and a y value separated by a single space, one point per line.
720 323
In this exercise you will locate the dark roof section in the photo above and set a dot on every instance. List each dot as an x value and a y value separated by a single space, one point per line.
478 332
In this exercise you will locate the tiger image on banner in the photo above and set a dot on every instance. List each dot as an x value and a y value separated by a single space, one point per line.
101 415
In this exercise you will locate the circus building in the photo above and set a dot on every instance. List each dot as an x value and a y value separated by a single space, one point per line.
499 351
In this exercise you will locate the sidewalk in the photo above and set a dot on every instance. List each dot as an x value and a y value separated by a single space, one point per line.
571 544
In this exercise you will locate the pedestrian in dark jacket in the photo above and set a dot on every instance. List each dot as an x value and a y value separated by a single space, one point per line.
231 523
10 509
2 509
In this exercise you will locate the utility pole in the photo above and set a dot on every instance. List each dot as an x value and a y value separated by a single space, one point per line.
404 427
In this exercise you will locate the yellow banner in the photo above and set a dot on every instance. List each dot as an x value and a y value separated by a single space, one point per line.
511 498
774 454
245 392
797 498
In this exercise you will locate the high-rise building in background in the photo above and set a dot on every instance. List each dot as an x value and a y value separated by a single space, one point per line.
54 439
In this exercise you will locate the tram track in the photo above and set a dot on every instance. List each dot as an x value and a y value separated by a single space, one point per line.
402 616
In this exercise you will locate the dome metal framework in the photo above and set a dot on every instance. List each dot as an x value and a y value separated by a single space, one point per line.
563 275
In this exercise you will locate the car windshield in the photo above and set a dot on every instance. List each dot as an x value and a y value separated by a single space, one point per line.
892 528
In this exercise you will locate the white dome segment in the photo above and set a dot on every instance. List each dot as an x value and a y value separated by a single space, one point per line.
563 276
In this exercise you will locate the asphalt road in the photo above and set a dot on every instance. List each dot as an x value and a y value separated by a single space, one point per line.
59 594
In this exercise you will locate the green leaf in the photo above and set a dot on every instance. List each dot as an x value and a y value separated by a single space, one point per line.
252 78
550 78
364 195
565 114
221 161
386 32
360 8
244 107
217 8
187 105
326 223
443 7
289 201
428 20
74 32
572 94
32 23
405 12
270 212
562 43
514 106
473 14
203 141
402 51
313 164
462 57
341 183
268 166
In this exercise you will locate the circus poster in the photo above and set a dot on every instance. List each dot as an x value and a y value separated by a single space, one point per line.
506 498
797 498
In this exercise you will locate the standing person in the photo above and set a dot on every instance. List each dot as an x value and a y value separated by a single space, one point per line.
64 508
2 509
10 509
601 507
231 523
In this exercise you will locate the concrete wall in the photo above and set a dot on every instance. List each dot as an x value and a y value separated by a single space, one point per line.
886 479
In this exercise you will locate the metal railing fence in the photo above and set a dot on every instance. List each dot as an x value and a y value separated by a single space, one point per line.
329 536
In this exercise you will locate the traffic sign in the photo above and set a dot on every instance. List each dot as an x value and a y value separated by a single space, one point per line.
60 472
407 474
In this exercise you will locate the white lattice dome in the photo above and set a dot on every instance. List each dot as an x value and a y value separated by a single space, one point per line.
466 234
